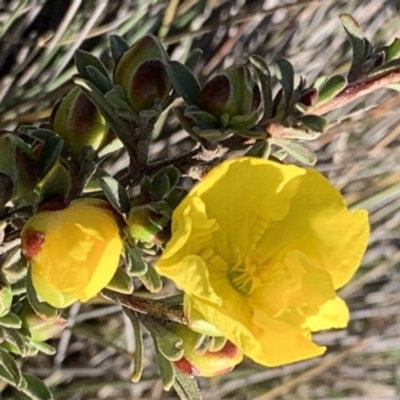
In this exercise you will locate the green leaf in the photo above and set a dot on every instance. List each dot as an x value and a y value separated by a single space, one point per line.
11 321
43 347
16 343
118 47
121 282
172 173
184 82
99 79
35 389
297 150
393 50
115 194
285 74
9 370
261 148
151 280
136 265
264 75
139 347
169 344
334 85
50 153
160 185
362 48
314 122
166 369
193 58
186 386
83 60
42 309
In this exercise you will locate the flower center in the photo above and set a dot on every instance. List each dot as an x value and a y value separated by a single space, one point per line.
243 277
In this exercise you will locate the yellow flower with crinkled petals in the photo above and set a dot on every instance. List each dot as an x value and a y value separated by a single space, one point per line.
259 249
74 251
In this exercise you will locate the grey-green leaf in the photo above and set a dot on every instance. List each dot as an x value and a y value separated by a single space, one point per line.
184 82
264 76
115 194
334 85
297 150
186 386
118 47
35 389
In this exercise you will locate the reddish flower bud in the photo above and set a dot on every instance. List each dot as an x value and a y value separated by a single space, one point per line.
142 75
205 363
79 122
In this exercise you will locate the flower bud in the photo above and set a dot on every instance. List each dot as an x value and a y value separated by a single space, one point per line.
231 92
205 363
146 223
142 75
79 122
74 251
40 329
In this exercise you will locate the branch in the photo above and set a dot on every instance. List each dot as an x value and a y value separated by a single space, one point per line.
351 92
153 308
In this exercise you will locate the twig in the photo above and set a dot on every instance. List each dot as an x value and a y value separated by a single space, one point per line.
154 308
351 92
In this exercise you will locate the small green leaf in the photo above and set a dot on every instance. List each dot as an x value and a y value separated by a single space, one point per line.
172 173
151 280
169 344
35 389
115 194
314 122
42 309
186 386
175 197
118 47
43 347
139 347
334 85
9 370
362 48
11 320
160 185
166 369
102 81
193 58
184 82
50 153
121 282
56 182
136 265
16 342
264 75
83 60
393 50
285 74
297 150
261 148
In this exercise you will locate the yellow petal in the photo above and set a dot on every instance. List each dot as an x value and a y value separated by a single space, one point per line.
333 314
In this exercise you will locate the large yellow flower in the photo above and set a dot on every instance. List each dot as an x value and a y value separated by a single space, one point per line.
74 252
259 249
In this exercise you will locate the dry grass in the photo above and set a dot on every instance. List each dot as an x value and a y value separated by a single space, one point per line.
359 153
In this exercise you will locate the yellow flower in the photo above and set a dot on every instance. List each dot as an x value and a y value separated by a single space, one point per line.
74 252
259 249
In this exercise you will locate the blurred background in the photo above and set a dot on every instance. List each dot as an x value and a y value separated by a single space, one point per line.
359 153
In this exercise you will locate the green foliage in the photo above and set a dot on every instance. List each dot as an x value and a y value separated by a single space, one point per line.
258 113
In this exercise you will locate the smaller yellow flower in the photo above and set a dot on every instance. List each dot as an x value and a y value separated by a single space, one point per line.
259 250
74 252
